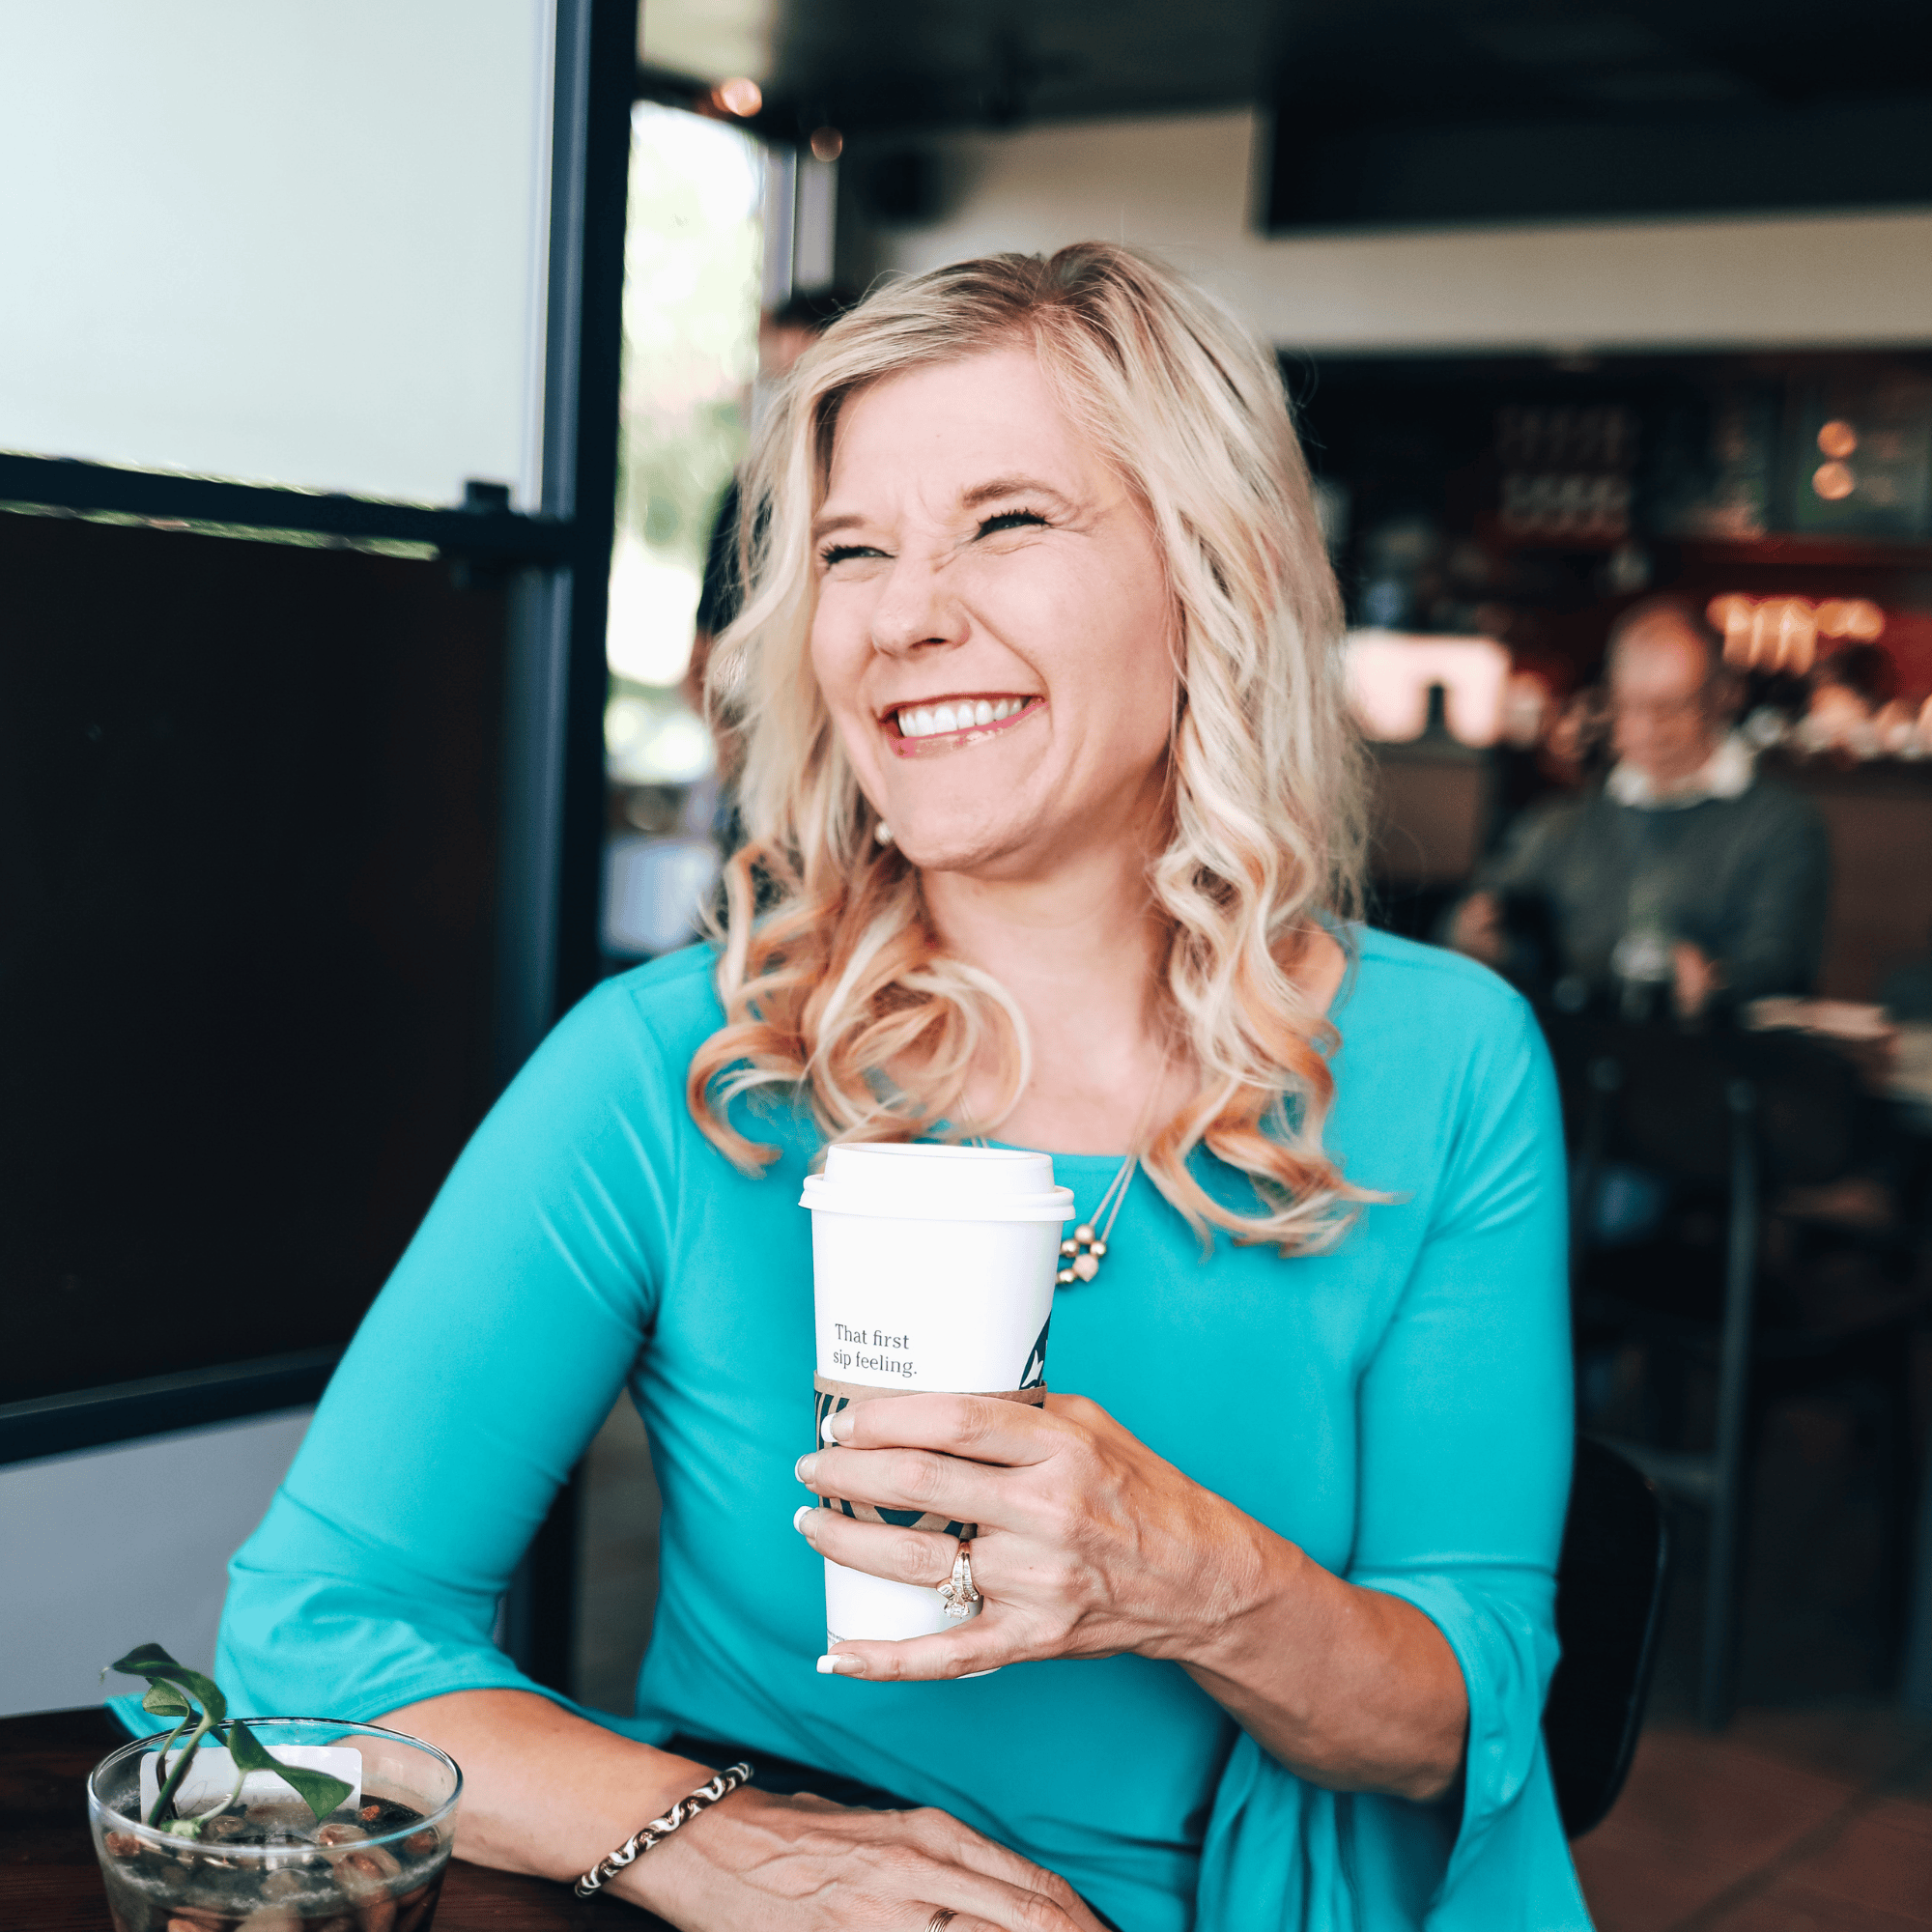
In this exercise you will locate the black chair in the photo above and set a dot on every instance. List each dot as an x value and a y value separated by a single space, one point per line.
1726 1119
1610 1582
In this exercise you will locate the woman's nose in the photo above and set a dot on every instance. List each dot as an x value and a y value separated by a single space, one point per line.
913 609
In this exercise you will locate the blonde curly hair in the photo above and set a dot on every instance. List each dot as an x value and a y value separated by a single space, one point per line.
834 984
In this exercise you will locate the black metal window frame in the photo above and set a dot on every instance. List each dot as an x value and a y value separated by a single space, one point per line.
556 563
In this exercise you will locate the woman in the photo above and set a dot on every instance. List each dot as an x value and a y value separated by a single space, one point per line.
1055 822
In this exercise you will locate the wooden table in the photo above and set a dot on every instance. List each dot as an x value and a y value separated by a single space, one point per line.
50 1883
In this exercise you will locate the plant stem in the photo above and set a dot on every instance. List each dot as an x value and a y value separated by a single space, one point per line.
240 1778
161 1766
165 1796
168 1744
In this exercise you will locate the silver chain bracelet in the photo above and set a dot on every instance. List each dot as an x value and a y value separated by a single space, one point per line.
659 1829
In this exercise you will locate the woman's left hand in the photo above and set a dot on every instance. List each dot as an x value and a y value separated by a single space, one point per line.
1089 1544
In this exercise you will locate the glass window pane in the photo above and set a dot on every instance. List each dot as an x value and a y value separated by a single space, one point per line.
298 245
693 270
693 263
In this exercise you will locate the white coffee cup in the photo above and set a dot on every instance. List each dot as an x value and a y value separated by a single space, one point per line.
932 1270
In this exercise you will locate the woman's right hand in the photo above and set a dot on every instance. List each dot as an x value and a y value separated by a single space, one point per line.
758 1862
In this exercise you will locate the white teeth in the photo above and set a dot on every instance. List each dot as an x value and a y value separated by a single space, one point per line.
927 721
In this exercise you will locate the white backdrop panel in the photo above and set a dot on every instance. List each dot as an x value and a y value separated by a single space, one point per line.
278 241
127 1545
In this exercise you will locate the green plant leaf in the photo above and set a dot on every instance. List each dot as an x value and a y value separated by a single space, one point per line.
174 1683
316 1789
152 1661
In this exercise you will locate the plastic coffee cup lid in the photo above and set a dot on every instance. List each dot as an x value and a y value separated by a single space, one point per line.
938 1184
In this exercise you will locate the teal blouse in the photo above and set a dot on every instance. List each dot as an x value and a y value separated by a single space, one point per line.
1400 1408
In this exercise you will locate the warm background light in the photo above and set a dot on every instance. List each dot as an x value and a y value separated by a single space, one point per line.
1731 614
1782 633
1833 482
827 144
1837 438
1856 617
1389 675
740 97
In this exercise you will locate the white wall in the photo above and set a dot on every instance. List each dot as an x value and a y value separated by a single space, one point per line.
112 1547
282 243
1185 186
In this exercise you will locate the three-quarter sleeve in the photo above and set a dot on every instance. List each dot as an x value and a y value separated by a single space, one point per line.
1467 1431
471 1390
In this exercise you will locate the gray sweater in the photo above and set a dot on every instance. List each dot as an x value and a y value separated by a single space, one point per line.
1744 878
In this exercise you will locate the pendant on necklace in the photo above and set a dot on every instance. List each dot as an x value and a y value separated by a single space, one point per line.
1081 1255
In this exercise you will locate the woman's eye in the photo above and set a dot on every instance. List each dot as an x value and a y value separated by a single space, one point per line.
845 552
1012 519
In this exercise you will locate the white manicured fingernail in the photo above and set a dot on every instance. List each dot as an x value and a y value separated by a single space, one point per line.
838 1663
800 1514
825 1434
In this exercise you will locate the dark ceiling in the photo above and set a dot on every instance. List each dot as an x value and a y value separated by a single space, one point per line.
876 64
1399 111
1387 57
870 65
864 65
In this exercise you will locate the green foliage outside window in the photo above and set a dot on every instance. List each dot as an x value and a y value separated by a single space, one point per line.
693 263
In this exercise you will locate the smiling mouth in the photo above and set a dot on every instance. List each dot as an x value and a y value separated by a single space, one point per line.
957 721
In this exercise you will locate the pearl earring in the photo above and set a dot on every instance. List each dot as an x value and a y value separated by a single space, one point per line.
883 833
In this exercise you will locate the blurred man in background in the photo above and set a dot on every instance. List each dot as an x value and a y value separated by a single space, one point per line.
784 334
1684 869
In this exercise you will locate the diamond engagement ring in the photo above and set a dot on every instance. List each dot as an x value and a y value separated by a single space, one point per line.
957 1590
